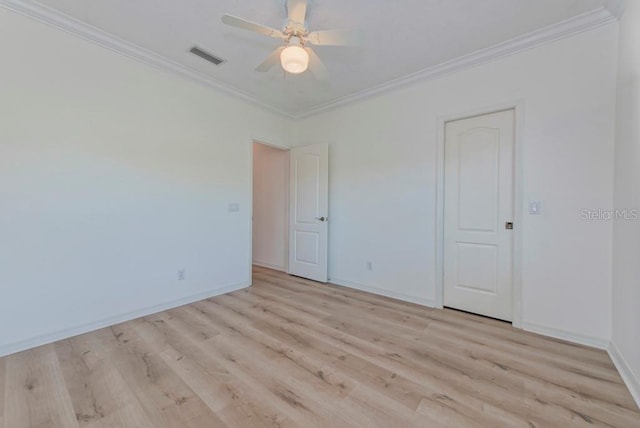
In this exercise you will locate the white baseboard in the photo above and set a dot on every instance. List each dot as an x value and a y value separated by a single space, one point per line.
580 339
269 265
628 376
23 345
382 292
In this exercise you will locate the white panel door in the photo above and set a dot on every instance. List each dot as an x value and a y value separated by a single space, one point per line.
308 229
478 214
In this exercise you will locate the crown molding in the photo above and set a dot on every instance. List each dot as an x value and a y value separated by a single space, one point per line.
615 7
569 27
577 24
76 27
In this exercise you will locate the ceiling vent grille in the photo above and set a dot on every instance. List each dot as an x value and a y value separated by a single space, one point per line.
206 55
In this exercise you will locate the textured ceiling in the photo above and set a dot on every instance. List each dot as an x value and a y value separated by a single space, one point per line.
397 37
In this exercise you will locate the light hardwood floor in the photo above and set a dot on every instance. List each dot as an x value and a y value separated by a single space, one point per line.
292 353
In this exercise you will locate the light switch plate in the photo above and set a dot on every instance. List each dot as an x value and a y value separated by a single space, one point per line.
534 207
234 208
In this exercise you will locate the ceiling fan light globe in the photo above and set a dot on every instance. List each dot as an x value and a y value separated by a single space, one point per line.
294 59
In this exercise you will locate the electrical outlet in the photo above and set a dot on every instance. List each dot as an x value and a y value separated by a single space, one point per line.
181 274
369 266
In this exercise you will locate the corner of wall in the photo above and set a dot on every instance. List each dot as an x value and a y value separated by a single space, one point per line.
628 376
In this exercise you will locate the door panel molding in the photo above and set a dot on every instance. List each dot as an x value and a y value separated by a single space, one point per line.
518 106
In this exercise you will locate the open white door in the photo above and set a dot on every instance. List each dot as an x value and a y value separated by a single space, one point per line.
308 202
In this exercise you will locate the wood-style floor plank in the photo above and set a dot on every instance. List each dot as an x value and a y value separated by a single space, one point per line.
100 394
167 400
289 352
35 391
233 394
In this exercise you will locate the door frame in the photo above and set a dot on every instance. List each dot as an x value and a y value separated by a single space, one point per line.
285 148
518 107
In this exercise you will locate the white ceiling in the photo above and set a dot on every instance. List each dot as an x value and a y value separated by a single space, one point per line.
398 38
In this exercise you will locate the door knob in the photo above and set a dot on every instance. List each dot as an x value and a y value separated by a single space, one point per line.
321 218
508 225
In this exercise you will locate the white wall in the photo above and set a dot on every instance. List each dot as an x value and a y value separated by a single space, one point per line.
270 206
626 269
383 180
113 175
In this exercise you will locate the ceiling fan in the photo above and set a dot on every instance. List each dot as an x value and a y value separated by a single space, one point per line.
294 55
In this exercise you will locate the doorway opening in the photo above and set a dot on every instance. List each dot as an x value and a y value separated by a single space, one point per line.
270 207
290 199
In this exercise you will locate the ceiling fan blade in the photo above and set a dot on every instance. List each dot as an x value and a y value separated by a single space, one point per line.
252 26
271 60
332 37
316 66
297 10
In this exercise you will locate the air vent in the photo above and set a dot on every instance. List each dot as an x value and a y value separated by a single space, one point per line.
206 55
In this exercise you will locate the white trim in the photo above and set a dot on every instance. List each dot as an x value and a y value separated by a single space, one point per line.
250 205
615 7
270 266
559 30
518 107
68 24
630 379
438 272
255 140
594 342
518 199
44 339
382 292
